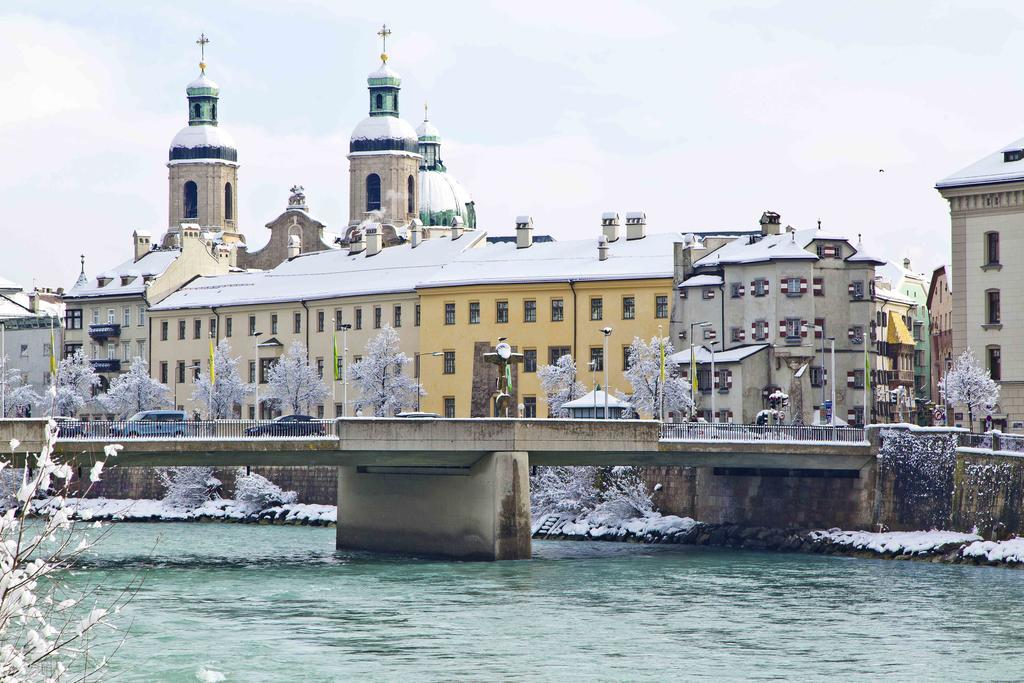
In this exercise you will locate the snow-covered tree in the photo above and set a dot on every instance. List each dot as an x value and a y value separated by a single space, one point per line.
384 390
563 490
135 390
559 383
227 390
259 493
624 496
74 386
47 634
644 376
294 384
969 384
189 487
18 395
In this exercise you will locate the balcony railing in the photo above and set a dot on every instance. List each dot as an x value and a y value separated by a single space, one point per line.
106 364
719 431
105 331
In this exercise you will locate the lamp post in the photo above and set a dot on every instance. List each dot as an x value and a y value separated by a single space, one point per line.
693 368
418 372
345 327
187 367
3 365
832 384
606 331
256 337
711 348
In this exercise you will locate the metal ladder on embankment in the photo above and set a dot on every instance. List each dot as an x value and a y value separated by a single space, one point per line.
549 524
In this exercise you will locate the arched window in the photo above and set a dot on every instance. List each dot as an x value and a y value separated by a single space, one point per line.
229 208
195 111
214 115
380 101
396 102
995 362
373 192
411 192
191 199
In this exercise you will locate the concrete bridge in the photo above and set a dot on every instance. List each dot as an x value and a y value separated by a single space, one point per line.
458 487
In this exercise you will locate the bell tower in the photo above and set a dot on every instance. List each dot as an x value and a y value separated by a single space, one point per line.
203 164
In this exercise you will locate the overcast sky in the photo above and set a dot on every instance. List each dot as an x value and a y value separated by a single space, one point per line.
701 114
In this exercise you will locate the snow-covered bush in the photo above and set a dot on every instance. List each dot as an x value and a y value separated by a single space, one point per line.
47 634
134 391
563 490
18 396
74 386
294 384
624 496
227 391
971 385
384 390
644 376
559 384
258 492
189 487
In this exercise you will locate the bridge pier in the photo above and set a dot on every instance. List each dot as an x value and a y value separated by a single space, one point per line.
480 512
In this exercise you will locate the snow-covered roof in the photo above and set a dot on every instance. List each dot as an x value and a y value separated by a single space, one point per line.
990 169
889 294
595 397
428 130
897 275
19 305
384 71
6 284
325 275
571 260
701 281
203 81
153 263
703 355
204 135
788 246
440 191
384 128
863 256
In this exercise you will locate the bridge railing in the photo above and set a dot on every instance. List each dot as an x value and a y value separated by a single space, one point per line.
706 431
197 430
994 441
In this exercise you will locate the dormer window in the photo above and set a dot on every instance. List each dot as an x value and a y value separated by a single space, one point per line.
103 281
125 279
1013 155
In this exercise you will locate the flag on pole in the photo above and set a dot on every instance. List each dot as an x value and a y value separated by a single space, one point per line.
213 373
53 354
337 375
693 370
662 360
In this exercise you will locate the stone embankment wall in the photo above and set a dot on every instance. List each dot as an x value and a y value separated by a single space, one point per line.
989 493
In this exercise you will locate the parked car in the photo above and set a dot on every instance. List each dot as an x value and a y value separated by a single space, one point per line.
418 415
154 423
289 425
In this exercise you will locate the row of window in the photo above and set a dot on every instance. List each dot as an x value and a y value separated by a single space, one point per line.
73 317
557 310
789 286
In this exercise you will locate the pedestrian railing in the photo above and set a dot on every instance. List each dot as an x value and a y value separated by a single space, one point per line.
994 441
706 431
195 430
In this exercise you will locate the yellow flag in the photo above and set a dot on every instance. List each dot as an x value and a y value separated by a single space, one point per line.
53 355
213 374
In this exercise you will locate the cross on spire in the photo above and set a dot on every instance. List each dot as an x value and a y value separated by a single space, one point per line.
203 40
384 32
425 118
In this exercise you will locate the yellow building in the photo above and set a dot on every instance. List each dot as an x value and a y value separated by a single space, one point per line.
548 299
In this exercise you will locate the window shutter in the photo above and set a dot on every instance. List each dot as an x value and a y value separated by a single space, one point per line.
728 379
851 416
782 328
784 285
850 379
716 380
741 290
819 286
753 330
743 334
849 288
849 333
682 293
803 328
803 285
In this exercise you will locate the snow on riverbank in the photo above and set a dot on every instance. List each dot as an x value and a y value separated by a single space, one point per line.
1010 552
147 510
651 528
897 542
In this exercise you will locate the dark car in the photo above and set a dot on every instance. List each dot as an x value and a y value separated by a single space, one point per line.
289 425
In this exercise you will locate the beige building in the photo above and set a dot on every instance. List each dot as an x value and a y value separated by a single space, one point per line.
986 203
310 299
940 307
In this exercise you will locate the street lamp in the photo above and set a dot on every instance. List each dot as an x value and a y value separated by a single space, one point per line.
711 348
187 367
832 341
606 331
256 337
693 368
593 378
345 327
418 373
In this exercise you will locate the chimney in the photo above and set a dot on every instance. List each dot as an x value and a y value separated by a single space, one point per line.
770 223
142 243
33 301
374 239
457 227
906 264
524 232
357 242
610 225
224 253
636 225
602 248
415 233
294 246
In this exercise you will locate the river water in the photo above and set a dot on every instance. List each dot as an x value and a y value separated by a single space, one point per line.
265 603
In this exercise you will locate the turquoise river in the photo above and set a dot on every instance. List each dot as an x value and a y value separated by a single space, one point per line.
263 603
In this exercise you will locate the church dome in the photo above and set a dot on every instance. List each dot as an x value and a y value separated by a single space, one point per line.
200 84
442 198
203 142
379 133
428 132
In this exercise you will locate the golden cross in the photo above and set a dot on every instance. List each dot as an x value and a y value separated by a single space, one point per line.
384 32
203 40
